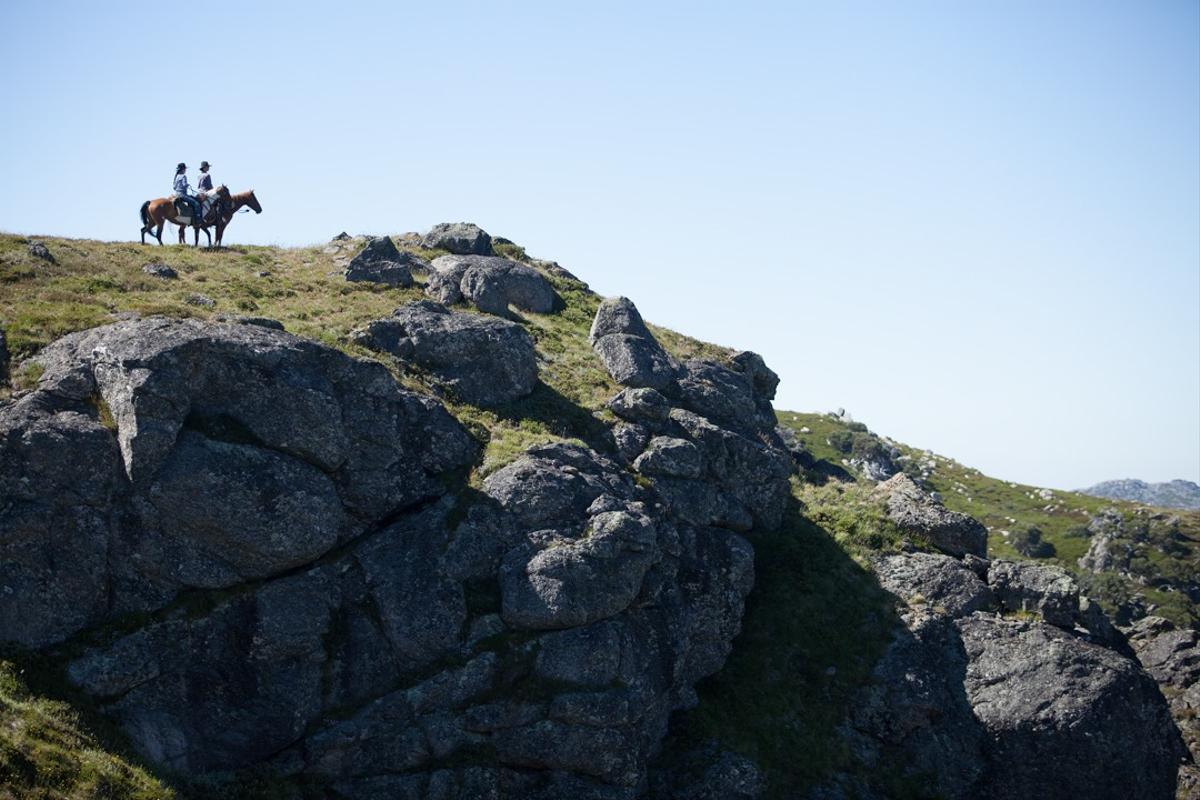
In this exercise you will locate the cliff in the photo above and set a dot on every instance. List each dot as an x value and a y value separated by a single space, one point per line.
425 517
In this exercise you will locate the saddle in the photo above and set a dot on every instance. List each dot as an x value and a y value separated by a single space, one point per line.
208 206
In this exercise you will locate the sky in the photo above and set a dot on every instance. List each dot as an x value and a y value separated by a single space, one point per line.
974 226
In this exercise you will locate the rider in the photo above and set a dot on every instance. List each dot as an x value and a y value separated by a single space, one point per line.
204 184
180 188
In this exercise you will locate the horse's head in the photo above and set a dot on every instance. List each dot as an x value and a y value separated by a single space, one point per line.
252 201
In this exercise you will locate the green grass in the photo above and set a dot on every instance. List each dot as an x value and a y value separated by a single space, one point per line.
48 753
815 626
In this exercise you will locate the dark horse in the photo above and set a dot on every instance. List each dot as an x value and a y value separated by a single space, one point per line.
227 209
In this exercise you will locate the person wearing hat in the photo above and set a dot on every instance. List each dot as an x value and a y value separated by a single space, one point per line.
204 182
180 187
204 186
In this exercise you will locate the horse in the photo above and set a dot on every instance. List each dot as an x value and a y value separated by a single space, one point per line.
162 210
227 208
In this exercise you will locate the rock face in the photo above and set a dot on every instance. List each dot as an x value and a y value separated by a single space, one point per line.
985 706
158 455
459 238
703 433
380 262
348 622
482 360
913 510
492 284
1172 657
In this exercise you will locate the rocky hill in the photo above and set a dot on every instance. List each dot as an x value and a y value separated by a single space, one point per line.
1170 494
424 517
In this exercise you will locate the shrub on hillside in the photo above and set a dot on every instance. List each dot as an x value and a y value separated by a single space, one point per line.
1029 543
842 441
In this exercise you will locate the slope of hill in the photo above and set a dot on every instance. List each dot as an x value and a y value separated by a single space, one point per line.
1170 494
1158 568
521 597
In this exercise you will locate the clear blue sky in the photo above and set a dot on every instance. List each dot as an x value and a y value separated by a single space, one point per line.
976 226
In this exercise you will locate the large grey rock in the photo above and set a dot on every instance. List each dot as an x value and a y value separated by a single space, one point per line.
986 707
940 582
762 378
460 238
1042 589
492 284
1171 656
630 353
915 512
636 361
39 250
674 458
380 262
157 455
617 315
1064 718
160 270
564 581
555 484
482 360
644 405
720 394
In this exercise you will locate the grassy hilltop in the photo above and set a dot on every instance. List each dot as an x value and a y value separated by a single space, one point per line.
816 621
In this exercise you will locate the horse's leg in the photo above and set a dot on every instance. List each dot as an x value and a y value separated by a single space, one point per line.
208 236
159 230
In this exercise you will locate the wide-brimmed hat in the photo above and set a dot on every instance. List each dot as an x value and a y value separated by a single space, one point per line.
180 166
203 165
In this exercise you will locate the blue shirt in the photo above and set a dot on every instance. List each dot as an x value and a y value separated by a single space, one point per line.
181 184
204 182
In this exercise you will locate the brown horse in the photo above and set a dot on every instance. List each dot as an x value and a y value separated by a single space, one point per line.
162 210
228 209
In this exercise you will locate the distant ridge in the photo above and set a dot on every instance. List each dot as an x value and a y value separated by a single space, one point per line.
1171 494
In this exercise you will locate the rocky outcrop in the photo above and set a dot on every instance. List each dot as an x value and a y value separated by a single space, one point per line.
703 433
380 262
459 238
491 284
348 621
913 510
479 359
157 456
1106 553
1171 655
983 705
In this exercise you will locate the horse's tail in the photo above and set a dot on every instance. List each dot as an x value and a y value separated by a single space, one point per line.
146 213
